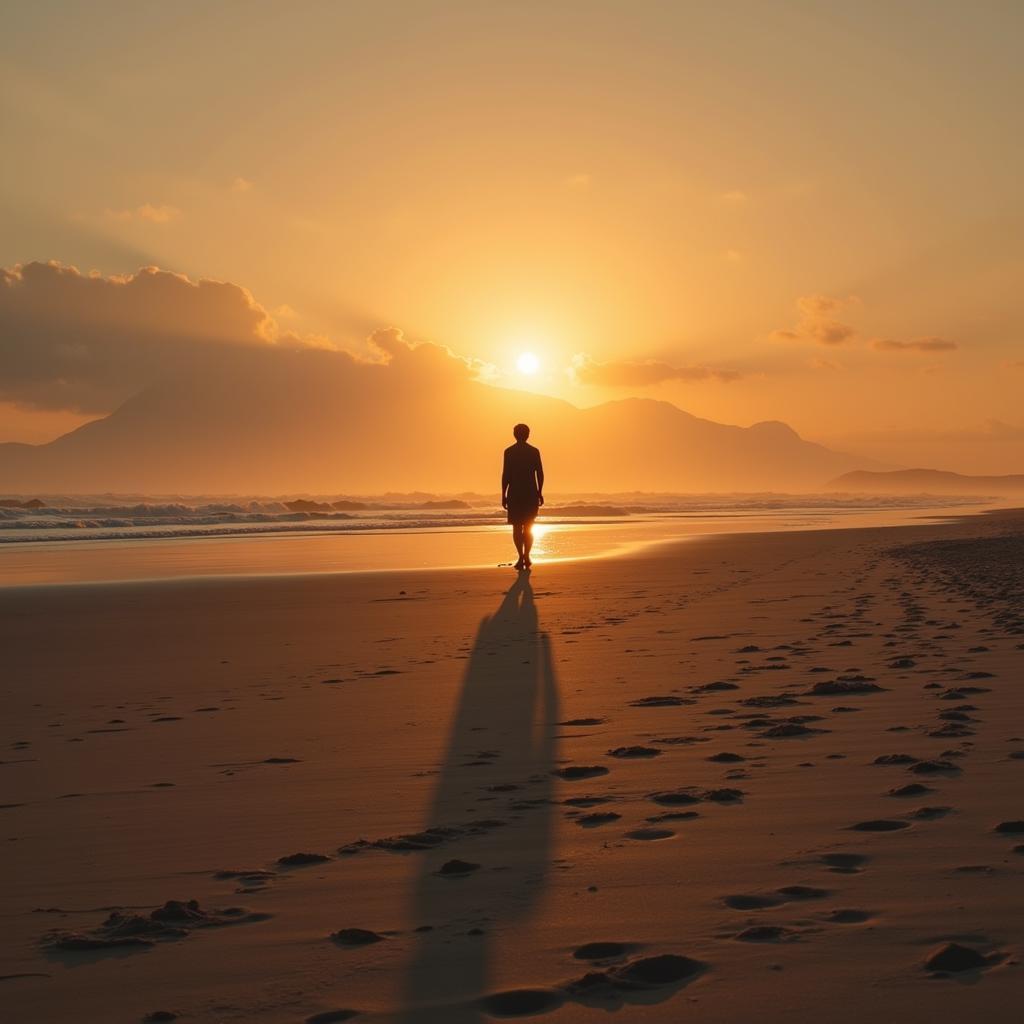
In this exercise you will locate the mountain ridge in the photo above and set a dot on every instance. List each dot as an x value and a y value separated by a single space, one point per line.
917 481
312 422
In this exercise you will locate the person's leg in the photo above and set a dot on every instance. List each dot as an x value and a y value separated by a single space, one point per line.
517 539
527 542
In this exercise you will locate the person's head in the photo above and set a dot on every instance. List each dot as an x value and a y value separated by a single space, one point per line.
520 431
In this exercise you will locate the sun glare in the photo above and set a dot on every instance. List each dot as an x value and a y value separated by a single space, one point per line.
528 363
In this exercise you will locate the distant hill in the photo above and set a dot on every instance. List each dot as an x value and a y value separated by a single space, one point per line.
315 422
927 481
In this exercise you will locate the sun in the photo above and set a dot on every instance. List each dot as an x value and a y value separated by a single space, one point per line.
528 363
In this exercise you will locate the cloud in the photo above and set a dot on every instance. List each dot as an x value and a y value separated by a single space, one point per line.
85 342
925 345
646 373
830 332
818 322
425 360
826 364
816 306
146 213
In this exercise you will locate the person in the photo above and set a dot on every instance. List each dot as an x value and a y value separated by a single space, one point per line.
522 491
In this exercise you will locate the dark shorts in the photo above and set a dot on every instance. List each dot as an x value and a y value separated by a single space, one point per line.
522 511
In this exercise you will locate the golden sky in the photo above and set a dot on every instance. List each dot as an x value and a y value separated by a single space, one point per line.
806 211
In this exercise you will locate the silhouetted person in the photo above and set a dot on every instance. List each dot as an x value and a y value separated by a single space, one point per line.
522 491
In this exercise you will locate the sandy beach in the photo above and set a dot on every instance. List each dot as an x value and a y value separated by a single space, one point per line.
771 777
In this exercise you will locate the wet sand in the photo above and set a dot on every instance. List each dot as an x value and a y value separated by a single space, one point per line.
771 777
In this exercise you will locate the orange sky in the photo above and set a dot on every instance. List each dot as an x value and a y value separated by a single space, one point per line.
798 211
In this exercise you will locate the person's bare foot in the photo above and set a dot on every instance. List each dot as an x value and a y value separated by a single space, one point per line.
520 565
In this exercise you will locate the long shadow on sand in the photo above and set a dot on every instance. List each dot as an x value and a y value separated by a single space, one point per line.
496 769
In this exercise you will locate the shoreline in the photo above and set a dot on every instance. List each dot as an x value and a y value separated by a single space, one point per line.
621 543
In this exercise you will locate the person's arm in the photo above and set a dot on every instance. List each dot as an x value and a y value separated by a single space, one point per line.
540 480
504 481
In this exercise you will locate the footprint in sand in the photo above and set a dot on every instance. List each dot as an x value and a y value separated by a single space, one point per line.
354 937
457 868
632 981
674 798
788 730
896 759
659 702
597 818
1009 828
936 767
844 863
911 789
601 951
587 801
766 933
767 901
522 1002
302 860
751 901
580 771
173 921
930 813
803 892
251 881
634 752
843 687
847 915
880 825
650 834
954 958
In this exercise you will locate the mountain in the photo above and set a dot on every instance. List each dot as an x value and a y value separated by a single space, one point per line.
927 481
316 422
